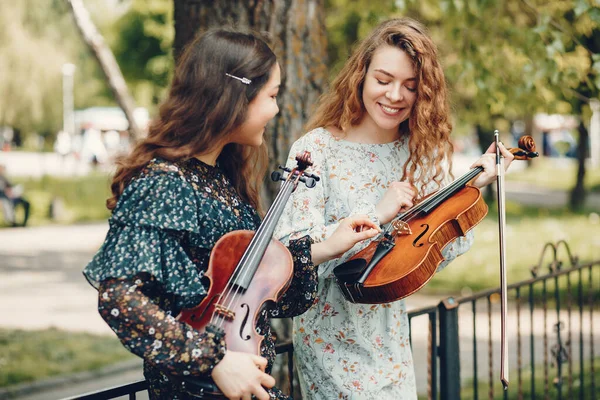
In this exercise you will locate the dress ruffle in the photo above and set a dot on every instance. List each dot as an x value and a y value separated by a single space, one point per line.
160 199
145 234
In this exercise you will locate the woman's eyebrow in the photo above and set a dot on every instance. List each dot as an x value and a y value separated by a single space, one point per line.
384 72
391 75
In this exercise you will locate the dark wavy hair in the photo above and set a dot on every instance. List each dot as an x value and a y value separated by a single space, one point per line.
203 107
428 127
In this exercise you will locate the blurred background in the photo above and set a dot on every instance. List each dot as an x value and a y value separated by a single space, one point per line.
81 80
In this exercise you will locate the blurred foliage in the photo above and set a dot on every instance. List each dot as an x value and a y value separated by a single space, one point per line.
142 40
503 60
36 38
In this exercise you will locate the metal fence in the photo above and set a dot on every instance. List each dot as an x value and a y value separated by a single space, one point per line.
550 331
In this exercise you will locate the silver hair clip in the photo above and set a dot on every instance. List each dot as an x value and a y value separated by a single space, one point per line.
243 80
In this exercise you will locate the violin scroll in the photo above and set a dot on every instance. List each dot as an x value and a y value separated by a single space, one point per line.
526 149
299 173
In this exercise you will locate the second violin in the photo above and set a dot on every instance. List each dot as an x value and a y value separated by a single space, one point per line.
410 250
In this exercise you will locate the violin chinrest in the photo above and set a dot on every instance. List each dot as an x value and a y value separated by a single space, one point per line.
350 271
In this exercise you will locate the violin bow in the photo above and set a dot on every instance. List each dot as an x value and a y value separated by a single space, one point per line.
503 289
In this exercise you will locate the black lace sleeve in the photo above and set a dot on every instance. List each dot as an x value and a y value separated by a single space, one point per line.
153 334
301 294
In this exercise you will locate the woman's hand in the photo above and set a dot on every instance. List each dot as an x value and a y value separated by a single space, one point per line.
350 231
399 197
241 375
488 163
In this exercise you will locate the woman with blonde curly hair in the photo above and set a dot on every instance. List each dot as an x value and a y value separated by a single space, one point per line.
380 141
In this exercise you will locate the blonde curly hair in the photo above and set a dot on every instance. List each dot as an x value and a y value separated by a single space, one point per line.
428 127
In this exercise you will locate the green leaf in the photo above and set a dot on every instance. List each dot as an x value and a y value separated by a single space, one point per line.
581 7
596 66
594 15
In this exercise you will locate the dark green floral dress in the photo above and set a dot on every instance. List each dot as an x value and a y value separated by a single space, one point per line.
152 263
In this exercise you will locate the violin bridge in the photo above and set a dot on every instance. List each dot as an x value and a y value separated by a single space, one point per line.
401 228
224 312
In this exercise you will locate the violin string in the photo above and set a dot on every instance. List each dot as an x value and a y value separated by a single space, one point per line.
413 212
229 286
227 298
232 294
245 270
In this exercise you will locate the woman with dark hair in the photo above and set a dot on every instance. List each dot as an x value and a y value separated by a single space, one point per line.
192 180
380 141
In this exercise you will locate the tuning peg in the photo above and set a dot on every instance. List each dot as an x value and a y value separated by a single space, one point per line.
276 176
313 176
309 182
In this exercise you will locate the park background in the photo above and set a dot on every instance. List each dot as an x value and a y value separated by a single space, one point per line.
519 66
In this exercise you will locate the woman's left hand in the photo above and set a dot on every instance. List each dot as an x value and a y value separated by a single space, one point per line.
488 162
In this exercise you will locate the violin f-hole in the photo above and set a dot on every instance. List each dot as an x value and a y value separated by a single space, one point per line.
244 322
415 242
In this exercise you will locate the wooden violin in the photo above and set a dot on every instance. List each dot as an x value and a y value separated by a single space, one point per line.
247 270
410 249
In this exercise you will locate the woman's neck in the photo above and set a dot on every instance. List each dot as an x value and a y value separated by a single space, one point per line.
210 158
368 132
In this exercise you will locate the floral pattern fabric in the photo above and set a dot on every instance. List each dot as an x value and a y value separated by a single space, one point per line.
345 350
152 265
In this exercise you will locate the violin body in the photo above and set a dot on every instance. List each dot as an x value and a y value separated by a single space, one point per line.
270 281
416 254
410 250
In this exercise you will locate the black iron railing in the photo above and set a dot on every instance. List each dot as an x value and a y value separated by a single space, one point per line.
549 362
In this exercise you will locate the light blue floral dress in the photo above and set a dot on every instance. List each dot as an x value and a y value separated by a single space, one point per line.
345 350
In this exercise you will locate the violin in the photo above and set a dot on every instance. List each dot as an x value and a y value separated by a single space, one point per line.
247 271
408 253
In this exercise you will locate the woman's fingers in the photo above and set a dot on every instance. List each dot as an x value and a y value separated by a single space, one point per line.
508 156
362 222
366 234
260 362
267 381
260 394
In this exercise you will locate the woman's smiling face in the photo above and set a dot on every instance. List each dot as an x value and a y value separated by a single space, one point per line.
390 88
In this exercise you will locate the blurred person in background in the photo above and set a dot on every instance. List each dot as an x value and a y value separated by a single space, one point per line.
93 150
11 197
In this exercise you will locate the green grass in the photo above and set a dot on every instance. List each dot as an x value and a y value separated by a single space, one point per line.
528 230
27 356
555 173
80 199
483 388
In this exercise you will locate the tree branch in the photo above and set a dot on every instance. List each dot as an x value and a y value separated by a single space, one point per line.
107 62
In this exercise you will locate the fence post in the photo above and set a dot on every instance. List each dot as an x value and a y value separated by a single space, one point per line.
448 350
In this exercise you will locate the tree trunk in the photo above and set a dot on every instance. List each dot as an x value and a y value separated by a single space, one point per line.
578 193
297 32
107 62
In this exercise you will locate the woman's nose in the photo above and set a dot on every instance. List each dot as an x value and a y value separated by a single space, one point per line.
394 94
